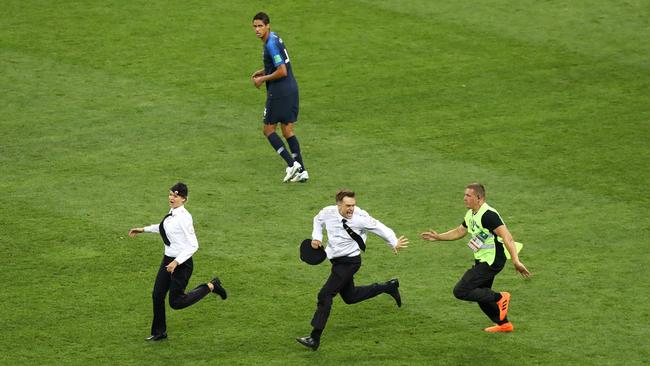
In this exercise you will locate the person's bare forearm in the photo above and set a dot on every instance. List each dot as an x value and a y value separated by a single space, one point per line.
453 234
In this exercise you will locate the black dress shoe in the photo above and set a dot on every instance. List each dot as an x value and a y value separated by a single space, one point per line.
394 291
156 337
309 342
218 289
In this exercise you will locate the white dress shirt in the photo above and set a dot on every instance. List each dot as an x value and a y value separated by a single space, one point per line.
340 243
179 228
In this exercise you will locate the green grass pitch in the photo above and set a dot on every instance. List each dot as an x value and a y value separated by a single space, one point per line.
104 105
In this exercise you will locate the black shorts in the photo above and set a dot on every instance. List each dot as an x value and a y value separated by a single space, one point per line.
281 109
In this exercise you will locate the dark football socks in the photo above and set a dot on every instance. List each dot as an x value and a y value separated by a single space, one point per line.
294 146
278 145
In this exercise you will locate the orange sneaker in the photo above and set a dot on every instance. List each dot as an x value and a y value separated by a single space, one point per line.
503 305
505 327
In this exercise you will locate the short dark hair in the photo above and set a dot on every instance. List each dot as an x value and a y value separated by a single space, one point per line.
478 188
263 17
180 189
342 193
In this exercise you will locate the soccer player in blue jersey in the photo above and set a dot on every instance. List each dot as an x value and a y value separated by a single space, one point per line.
281 98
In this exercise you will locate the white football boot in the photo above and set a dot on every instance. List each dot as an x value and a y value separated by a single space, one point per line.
301 177
292 171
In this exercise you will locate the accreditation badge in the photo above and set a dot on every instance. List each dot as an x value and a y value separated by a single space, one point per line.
475 243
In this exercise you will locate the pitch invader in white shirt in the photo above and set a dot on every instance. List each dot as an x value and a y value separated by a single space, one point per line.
347 228
177 232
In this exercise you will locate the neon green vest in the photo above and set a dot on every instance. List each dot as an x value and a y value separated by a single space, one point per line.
481 235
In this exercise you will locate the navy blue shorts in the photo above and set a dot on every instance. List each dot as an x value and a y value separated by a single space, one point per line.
281 110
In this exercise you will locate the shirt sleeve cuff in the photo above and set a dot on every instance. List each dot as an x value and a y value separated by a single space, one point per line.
151 229
182 258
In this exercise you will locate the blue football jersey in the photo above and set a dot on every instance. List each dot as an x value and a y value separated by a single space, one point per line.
275 54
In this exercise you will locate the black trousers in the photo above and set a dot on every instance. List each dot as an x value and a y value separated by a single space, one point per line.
175 284
476 286
341 281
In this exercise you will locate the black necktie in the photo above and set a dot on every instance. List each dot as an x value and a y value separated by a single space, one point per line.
161 228
354 235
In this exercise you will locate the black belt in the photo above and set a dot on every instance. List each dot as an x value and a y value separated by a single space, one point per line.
339 260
